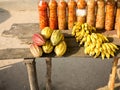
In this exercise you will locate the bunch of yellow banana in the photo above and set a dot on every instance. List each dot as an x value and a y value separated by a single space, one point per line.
95 44
105 49
108 49
81 31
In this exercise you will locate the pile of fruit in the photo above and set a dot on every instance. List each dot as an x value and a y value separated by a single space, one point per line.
47 41
95 44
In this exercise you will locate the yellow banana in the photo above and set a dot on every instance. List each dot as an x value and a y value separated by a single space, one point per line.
103 55
95 35
107 55
83 40
87 50
92 39
82 32
92 52
111 47
100 40
98 44
114 46
87 44
92 45
104 39
97 51
83 26
112 53
77 39
107 46
88 38
104 48
78 34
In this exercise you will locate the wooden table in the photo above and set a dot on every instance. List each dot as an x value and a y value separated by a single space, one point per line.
24 32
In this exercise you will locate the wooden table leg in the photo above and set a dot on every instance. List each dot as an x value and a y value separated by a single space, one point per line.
112 76
48 74
31 69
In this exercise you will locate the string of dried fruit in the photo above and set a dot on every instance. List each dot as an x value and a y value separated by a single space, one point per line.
117 22
71 13
62 15
91 12
53 14
100 17
109 18
81 11
117 14
43 18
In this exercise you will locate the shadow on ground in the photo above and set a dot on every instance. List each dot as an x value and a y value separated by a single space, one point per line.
67 74
4 15
14 77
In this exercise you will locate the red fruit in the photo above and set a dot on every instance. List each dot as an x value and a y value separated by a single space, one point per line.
35 50
38 39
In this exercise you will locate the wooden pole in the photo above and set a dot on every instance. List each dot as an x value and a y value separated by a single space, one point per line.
31 69
112 76
48 73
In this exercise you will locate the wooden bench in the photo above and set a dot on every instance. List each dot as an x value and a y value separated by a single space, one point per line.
24 32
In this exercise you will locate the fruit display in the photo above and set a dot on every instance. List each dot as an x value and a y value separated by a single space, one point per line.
53 22
35 50
81 11
103 14
109 18
56 37
43 14
46 32
95 44
61 48
100 17
48 41
62 5
38 39
91 12
47 47
71 13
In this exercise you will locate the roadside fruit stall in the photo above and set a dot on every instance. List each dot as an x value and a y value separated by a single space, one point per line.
86 31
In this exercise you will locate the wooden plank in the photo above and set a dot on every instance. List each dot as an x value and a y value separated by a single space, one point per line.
48 74
25 31
32 76
18 53
112 76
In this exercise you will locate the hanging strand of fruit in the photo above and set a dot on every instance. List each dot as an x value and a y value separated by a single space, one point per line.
91 12
71 13
100 17
110 11
43 17
117 20
53 14
62 15
81 11
117 14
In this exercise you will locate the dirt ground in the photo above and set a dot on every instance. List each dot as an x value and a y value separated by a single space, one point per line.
14 11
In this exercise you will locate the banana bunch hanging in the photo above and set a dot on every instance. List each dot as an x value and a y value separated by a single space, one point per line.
95 44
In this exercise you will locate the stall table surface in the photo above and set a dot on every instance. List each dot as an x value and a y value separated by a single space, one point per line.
24 33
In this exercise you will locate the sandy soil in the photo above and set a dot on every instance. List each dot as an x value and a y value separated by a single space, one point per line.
14 11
